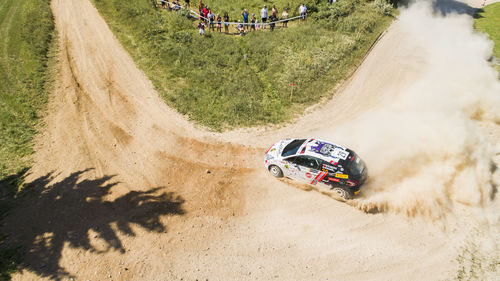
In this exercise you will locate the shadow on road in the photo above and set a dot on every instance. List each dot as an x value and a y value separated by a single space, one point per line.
48 216
446 7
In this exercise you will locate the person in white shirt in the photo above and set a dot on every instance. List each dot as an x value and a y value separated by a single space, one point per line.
303 11
263 15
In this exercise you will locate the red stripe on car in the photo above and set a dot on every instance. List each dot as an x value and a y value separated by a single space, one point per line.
269 148
315 178
322 177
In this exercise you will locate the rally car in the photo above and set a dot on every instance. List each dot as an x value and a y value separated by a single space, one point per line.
318 163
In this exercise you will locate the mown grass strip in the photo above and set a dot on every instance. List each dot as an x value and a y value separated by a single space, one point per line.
27 29
225 81
487 20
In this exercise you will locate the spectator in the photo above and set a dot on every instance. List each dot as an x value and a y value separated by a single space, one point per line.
245 18
201 28
274 12
204 12
219 23
211 19
174 5
187 3
163 4
226 24
263 16
200 6
332 1
272 19
303 11
252 20
240 28
284 15
257 24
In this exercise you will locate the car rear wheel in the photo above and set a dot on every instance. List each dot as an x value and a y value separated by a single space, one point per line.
342 193
275 171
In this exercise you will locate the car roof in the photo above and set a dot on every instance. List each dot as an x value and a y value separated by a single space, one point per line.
324 150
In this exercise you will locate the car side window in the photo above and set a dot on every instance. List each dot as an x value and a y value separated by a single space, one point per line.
307 161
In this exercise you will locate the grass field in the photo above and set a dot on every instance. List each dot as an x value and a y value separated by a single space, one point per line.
488 21
26 29
226 81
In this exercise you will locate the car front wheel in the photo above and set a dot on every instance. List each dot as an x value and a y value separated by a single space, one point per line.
342 193
275 171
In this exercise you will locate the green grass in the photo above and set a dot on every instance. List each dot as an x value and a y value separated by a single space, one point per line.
208 78
26 29
488 21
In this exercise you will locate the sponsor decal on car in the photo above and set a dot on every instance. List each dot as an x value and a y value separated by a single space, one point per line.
329 149
333 179
342 176
328 167
308 175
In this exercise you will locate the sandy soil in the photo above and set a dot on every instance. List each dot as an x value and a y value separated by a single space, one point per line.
124 188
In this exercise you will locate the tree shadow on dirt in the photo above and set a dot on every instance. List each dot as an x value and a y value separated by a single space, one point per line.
446 7
75 211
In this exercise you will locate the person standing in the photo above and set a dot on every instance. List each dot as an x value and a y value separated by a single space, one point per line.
272 19
219 23
226 23
245 18
252 21
187 3
211 19
263 16
284 15
274 12
200 6
204 13
303 11
201 28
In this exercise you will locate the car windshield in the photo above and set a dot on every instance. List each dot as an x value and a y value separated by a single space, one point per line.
292 147
357 166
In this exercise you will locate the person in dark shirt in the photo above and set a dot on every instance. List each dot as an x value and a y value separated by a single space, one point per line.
252 21
240 28
219 23
200 6
226 24
272 19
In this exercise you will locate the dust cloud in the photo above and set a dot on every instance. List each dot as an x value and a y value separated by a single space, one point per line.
424 148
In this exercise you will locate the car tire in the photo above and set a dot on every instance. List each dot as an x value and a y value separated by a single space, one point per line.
342 193
275 171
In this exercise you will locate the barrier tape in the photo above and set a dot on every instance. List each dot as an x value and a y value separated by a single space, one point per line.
235 23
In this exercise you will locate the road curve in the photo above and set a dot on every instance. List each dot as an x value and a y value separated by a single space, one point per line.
238 223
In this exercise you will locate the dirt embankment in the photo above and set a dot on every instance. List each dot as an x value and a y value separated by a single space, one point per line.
125 188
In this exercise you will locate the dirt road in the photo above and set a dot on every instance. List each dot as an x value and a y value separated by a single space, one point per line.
127 189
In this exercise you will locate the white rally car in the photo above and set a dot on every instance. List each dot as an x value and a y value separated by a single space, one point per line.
318 162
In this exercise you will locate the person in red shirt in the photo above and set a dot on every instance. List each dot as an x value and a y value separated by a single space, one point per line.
205 12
